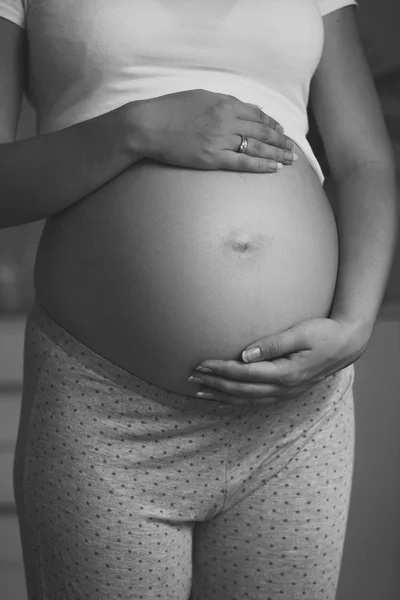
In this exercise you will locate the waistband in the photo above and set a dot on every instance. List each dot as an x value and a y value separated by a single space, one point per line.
39 318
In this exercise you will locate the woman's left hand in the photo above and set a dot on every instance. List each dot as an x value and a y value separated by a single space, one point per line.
289 364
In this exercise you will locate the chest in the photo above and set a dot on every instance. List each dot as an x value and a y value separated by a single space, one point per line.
101 36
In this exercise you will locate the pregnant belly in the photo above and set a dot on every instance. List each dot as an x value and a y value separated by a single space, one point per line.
164 267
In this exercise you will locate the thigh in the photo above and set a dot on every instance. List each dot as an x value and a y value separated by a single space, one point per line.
89 524
285 539
85 538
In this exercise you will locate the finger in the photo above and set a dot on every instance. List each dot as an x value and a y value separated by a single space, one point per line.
243 401
286 372
235 392
241 388
283 343
265 134
260 149
238 401
272 123
235 161
257 372
249 115
252 112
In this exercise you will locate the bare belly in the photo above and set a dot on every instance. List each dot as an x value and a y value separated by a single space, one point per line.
164 267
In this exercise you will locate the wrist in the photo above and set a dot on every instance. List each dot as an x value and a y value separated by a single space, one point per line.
133 137
360 330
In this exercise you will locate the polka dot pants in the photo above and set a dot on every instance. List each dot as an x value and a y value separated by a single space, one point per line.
125 490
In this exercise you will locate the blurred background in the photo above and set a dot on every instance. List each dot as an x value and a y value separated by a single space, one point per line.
371 561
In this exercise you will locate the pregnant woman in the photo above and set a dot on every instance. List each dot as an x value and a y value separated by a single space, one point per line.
186 222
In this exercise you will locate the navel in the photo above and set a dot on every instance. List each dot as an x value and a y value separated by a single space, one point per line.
244 243
242 247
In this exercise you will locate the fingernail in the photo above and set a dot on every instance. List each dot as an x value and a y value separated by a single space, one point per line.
251 354
195 380
289 145
204 394
279 166
295 157
203 369
280 128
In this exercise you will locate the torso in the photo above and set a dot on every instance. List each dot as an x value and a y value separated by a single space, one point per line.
165 267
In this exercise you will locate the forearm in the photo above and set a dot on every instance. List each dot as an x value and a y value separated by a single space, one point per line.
366 213
43 175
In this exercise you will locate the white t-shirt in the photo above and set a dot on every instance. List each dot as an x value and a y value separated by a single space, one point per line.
87 57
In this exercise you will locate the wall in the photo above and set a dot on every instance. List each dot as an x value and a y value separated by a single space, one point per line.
378 22
370 566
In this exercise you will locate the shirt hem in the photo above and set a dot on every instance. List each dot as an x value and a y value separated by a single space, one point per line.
13 17
328 6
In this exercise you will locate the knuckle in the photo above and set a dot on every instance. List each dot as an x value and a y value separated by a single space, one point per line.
276 154
258 147
249 374
273 349
262 117
285 140
268 134
274 141
260 166
306 338
225 106
242 162
241 388
280 156
216 112
207 156
268 152
262 133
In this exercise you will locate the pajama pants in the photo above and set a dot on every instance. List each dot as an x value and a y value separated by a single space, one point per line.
126 490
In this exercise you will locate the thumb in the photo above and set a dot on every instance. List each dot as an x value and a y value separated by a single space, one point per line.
273 346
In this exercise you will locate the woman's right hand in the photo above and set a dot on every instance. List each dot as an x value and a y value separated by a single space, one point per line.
202 130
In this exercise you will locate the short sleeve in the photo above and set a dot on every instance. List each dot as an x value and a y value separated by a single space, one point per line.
327 6
13 10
